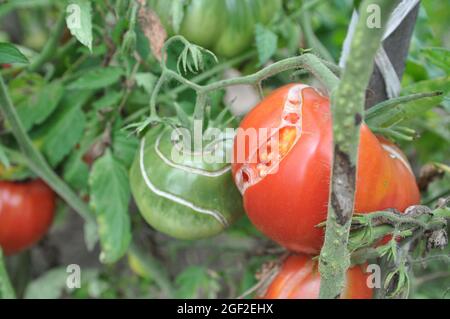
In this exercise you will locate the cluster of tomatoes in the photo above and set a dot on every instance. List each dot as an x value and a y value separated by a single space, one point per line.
283 178
286 192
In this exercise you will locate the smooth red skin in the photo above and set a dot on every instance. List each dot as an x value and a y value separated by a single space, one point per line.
288 205
26 213
299 278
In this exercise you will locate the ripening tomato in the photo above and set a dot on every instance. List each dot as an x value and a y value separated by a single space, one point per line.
189 195
26 213
299 278
286 189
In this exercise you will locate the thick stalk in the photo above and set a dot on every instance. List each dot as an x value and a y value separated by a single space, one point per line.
348 111
34 159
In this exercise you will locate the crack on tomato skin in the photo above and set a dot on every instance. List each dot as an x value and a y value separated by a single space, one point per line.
395 154
174 198
261 163
186 168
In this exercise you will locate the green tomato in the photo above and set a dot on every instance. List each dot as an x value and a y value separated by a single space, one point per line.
224 26
202 24
186 198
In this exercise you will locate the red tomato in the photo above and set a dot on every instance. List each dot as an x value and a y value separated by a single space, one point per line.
26 213
299 278
6 65
286 192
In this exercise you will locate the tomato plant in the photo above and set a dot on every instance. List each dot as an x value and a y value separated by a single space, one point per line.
299 278
226 27
188 198
26 213
288 205
91 93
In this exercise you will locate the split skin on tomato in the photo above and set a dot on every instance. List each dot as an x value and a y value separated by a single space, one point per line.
286 192
299 278
189 197
26 213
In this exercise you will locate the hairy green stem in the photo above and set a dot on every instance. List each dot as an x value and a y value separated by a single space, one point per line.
347 103
311 40
51 45
393 110
6 289
200 105
308 61
214 70
35 160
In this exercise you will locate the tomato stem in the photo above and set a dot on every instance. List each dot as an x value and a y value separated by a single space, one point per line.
35 160
347 103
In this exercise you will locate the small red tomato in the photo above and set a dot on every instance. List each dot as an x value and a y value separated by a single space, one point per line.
6 66
26 213
299 278
286 188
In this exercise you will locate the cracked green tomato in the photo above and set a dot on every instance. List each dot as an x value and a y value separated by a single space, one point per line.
185 194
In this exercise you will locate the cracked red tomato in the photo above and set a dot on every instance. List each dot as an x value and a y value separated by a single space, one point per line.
26 213
299 278
285 184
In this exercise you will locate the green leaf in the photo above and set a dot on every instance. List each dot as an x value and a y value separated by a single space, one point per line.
97 78
146 81
266 43
197 282
10 54
110 99
48 286
79 21
397 110
58 135
6 290
90 235
124 146
110 195
438 84
76 171
4 160
440 57
39 106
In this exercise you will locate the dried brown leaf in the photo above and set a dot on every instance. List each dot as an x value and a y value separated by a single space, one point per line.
153 29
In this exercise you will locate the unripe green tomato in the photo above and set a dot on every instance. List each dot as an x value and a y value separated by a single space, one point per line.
186 198
237 35
224 26
202 23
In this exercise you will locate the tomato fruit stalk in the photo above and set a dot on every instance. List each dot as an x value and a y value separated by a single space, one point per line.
189 196
299 278
286 191
26 213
